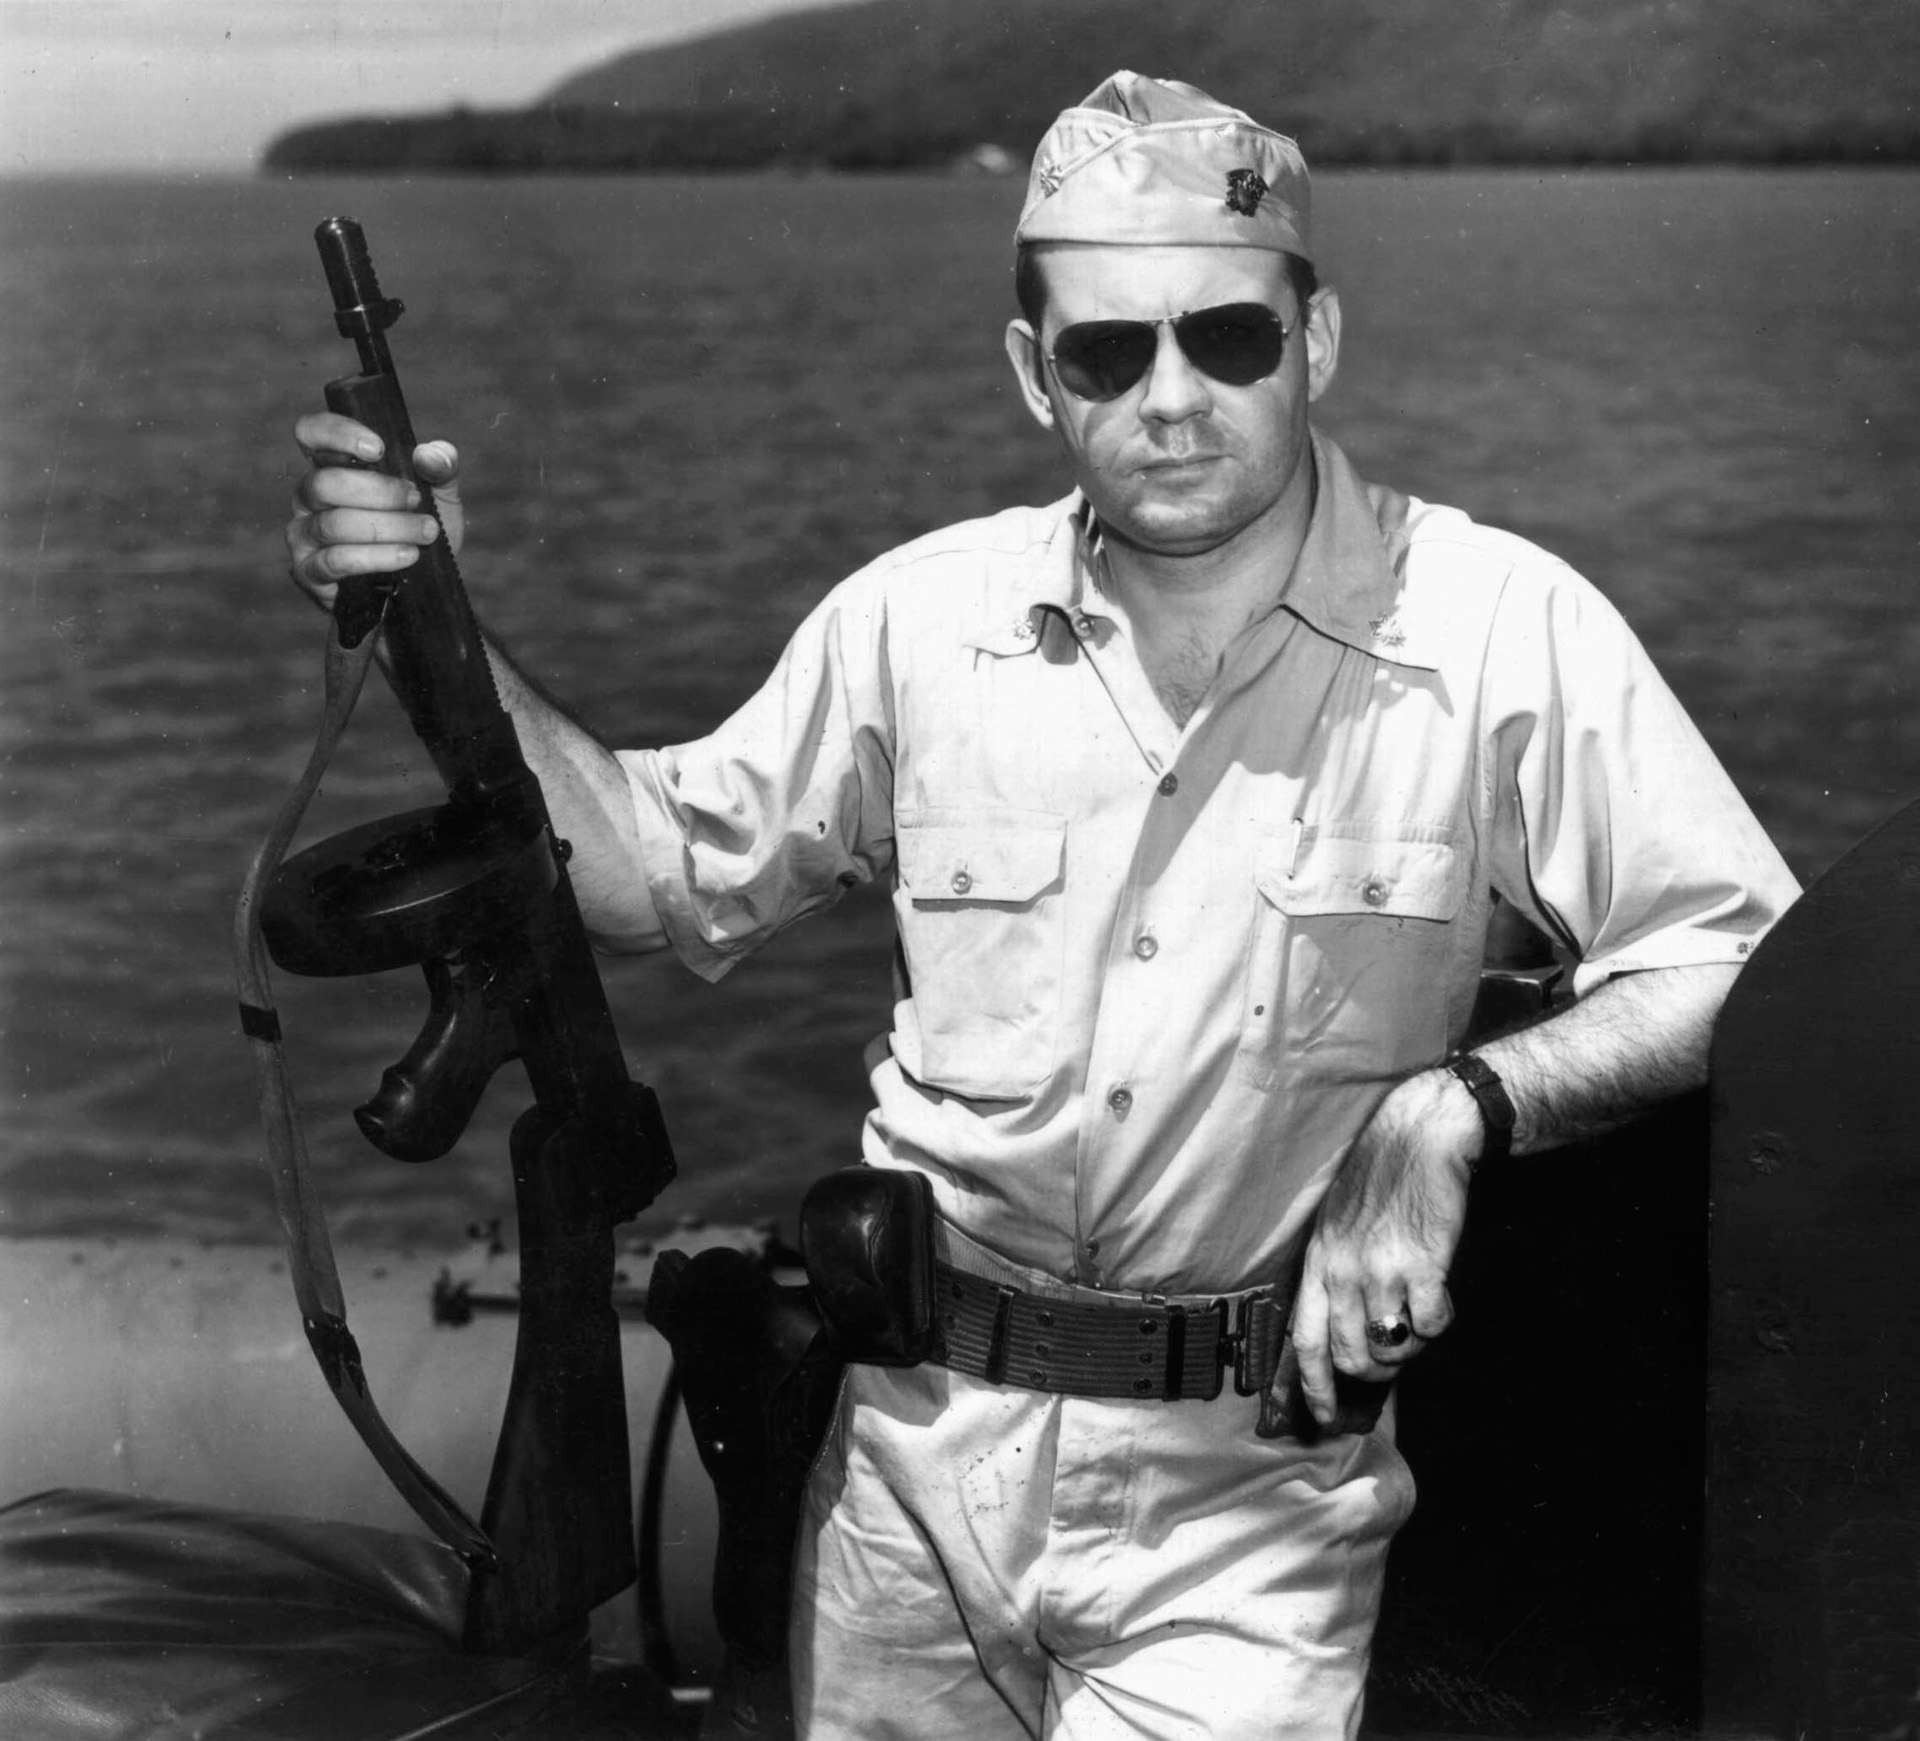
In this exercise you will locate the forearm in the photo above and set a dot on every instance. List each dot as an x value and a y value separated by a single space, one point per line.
1392 1216
1618 1053
591 807
350 520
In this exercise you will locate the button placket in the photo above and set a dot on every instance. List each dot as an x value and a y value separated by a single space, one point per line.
1125 682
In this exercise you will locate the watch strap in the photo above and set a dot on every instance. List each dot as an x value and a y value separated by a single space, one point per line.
1490 1094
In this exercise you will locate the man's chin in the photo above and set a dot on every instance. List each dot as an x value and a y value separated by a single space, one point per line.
1183 529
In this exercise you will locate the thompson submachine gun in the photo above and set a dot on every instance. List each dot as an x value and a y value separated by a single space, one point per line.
476 893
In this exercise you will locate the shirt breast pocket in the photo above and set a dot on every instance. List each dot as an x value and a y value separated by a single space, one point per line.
979 911
1348 977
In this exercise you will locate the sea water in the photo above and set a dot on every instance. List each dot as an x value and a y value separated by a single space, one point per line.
688 405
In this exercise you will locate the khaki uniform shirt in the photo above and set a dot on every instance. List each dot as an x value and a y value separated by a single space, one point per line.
1153 980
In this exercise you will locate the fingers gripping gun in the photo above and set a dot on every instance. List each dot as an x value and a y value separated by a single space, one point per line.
476 893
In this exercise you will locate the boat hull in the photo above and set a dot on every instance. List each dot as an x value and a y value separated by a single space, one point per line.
169 1370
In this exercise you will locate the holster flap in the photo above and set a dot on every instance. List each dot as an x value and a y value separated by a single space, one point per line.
866 1234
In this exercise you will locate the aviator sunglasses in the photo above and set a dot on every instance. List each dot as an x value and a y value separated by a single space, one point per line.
1236 343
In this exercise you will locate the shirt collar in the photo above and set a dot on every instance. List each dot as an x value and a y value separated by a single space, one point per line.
1055 581
1347 581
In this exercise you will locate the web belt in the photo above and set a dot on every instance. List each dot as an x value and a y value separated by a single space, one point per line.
1139 1346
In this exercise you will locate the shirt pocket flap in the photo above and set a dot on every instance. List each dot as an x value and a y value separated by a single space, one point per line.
1334 873
979 855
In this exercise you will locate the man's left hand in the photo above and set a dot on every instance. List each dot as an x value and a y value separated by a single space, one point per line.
1373 1292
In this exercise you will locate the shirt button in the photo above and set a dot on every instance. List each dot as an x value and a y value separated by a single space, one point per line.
1145 947
1374 891
1121 1099
1083 625
1170 785
961 882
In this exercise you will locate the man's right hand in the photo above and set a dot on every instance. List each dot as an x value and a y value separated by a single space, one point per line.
348 520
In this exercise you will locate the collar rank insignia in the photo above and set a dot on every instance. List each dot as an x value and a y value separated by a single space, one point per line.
1386 631
1245 190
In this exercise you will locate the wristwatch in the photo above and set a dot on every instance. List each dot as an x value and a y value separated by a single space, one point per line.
1496 1109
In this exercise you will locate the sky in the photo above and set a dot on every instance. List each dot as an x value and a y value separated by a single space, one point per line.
186 86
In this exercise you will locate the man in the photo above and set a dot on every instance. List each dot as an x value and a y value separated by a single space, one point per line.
1197 790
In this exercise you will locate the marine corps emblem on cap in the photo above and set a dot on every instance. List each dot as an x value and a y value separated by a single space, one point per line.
1144 161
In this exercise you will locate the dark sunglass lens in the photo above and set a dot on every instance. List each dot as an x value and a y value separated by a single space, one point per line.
1101 359
1238 343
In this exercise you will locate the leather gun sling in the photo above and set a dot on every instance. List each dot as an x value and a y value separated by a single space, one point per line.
316 1278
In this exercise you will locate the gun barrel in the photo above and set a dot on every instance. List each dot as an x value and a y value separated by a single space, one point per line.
359 310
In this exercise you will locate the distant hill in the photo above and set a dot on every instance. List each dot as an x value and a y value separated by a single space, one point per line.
896 83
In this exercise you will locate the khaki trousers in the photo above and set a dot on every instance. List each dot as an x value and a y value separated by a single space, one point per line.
991 1564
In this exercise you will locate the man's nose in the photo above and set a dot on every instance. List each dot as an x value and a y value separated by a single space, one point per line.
1176 390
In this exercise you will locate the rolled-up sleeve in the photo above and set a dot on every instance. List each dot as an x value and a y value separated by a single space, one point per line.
785 807
1617 830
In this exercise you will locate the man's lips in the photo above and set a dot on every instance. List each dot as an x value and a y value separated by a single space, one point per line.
1170 462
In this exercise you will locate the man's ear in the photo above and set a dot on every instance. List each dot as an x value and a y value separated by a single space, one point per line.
1030 370
1323 341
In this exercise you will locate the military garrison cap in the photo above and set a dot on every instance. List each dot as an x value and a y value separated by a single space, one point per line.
1155 162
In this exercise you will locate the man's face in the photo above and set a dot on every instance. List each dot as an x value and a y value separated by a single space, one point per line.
1180 464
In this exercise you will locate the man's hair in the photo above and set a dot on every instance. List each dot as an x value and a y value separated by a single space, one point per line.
1030 282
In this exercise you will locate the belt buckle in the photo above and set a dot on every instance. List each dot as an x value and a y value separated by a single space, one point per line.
1255 1342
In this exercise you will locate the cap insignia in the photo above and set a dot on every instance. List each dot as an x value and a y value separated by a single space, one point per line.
1245 189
